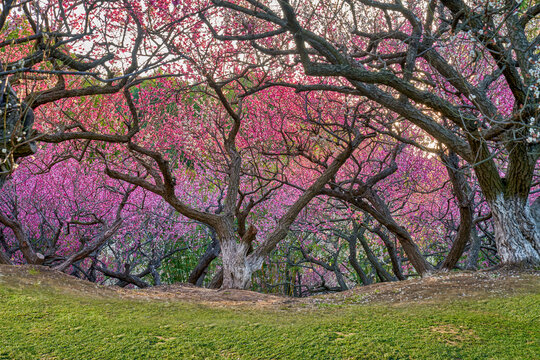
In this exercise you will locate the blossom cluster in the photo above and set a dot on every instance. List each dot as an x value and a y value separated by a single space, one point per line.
534 132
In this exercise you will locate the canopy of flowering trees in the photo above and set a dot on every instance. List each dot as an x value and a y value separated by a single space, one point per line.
289 146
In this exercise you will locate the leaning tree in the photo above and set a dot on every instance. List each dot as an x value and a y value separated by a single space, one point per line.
465 72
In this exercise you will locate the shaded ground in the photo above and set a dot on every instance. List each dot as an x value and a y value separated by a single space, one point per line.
21 276
441 287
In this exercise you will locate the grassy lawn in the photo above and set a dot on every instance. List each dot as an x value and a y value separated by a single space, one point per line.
41 322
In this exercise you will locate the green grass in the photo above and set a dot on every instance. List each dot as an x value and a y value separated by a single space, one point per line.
40 322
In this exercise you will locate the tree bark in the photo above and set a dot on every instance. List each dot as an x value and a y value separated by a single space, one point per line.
474 250
4 259
125 277
462 193
197 275
30 255
340 279
236 272
381 271
396 266
217 280
237 267
353 260
516 234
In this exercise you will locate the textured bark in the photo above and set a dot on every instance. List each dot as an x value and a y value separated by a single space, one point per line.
535 211
516 233
237 266
236 274
474 250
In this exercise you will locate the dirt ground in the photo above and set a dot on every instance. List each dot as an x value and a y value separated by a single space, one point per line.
443 286
453 285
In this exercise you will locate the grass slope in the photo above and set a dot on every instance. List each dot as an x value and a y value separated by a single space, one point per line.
43 317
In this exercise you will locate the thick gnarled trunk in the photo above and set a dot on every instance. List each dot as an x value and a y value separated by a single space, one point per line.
516 233
237 265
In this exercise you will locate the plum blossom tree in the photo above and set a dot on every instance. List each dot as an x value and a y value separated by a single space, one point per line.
240 259
59 51
252 118
92 225
466 73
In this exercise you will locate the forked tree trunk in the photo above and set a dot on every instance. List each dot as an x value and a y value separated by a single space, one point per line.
237 266
240 261
516 233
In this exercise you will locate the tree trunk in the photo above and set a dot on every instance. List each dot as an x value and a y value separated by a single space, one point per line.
4 259
516 233
124 277
353 260
476 242
462 193
384 275
340 280
18 119
217 280
391 248
237 268
197 275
